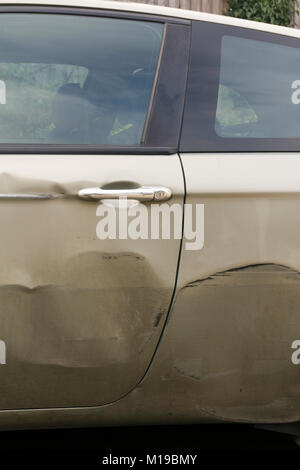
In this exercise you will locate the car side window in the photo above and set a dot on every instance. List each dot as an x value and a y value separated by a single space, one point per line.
263 76
76 79
243 91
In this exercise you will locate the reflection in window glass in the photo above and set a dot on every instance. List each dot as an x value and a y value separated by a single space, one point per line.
233 113
75 80
259 92
30 95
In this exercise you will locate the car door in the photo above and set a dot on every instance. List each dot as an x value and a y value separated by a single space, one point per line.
238 297
88 113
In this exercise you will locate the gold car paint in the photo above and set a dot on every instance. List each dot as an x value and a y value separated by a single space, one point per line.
225 355
80 316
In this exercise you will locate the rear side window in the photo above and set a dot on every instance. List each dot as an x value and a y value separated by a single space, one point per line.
68 79
259 89
243 91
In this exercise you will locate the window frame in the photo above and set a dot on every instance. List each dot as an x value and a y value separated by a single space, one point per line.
163 121
198 131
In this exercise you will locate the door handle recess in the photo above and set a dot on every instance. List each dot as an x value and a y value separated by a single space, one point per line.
143 194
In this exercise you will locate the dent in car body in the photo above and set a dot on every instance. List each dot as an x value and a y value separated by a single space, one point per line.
227 346
80 316
238 358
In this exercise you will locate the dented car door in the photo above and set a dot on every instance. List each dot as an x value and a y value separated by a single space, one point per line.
82 308
240 153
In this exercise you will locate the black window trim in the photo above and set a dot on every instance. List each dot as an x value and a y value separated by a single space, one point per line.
207 140
166 106
78 149
90 11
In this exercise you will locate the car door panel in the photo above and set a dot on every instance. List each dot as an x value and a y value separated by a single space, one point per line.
80 316
238 298
242 287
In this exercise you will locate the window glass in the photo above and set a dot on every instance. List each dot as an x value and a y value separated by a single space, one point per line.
74 79
259 90
233 113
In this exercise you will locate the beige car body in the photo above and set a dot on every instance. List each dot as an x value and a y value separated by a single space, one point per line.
225 351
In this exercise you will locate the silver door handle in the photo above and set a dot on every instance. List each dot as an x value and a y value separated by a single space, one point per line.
143 194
